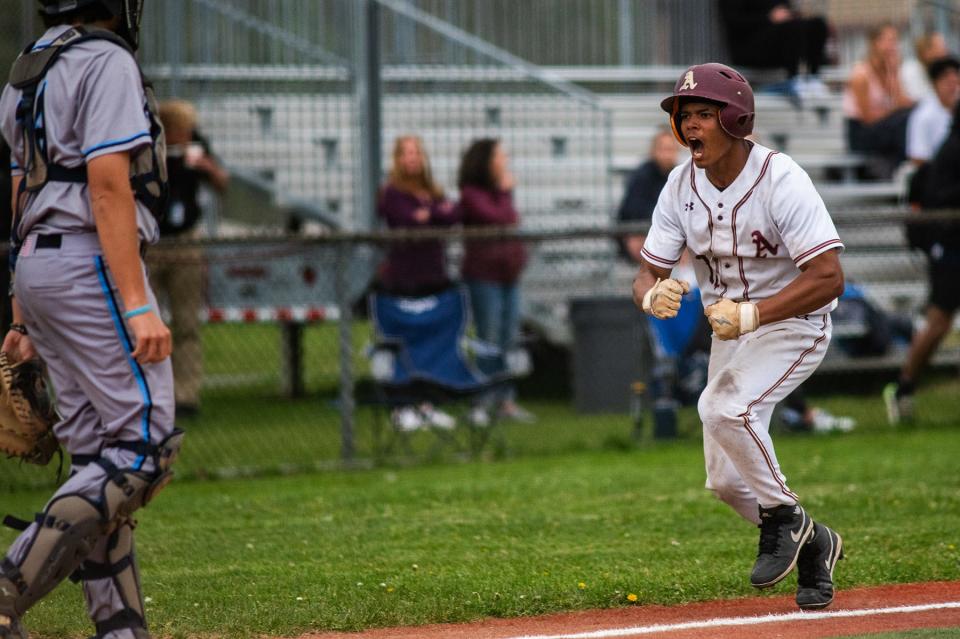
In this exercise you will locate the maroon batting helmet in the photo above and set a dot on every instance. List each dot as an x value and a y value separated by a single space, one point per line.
717 83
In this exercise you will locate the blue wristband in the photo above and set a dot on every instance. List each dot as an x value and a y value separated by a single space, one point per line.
137 311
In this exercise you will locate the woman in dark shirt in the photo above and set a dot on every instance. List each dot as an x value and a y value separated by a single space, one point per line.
491 269
412 199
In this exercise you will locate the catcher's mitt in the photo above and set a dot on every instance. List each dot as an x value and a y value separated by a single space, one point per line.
27 414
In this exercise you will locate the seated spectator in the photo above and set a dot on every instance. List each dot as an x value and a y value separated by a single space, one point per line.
940 191
412 199
769 34
643 189
492 268
874 103
913 73
929 123
176 270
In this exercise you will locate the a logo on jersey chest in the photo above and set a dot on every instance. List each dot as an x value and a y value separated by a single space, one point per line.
763 244
688 206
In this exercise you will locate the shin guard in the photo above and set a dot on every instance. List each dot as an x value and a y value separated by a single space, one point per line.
111 584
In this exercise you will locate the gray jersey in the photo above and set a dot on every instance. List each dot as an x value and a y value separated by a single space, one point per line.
93 105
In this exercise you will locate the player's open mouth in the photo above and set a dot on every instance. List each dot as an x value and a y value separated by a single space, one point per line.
696 148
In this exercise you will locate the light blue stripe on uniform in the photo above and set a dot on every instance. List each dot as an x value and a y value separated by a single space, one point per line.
110 143
38 123
128 347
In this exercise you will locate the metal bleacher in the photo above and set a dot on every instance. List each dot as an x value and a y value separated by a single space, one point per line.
310 157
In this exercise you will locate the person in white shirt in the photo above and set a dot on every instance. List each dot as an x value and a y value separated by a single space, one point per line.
930 121
913 72
767 262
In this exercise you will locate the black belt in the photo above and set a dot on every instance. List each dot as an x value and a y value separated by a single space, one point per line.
83 460
55 241
59 173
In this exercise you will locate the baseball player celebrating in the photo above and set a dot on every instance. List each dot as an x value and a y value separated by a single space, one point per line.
89 170
767 261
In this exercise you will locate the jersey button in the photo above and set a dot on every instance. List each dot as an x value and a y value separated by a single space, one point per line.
727 265
720 217
720 205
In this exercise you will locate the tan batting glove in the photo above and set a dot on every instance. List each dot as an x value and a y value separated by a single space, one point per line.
730 320
663 299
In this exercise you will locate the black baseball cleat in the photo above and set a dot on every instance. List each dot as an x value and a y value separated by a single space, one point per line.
783 531
818 557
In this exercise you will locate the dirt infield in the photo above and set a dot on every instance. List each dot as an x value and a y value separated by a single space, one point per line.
857 611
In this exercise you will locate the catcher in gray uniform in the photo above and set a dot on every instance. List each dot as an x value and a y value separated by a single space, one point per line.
89 172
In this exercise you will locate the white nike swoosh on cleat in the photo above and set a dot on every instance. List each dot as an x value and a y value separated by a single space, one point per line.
795 536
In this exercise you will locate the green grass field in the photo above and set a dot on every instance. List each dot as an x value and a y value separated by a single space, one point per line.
243 410
526 535
569 513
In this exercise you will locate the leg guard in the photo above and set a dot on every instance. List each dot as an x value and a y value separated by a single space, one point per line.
167 453
93 503
127 489
111 585
61 537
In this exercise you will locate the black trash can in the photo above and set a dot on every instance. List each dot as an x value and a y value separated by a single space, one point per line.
610 350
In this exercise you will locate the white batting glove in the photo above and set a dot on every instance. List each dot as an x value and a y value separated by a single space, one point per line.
663 299
730 320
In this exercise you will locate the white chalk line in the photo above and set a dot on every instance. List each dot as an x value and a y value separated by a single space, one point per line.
747 621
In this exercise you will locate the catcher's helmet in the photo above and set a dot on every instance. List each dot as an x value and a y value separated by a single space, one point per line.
130 12
719 83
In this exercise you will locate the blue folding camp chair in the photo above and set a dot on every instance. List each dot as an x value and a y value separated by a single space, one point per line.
422 354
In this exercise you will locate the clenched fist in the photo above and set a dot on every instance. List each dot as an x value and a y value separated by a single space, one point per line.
663 299
730 320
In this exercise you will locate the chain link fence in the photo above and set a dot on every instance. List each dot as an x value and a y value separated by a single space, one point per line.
302 101
274 398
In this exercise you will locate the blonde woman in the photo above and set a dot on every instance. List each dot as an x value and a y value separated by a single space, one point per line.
412 199
874 103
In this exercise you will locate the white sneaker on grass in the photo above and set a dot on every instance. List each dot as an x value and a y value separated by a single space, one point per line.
437 418
899 406
515 412
824 422
407 419
479 417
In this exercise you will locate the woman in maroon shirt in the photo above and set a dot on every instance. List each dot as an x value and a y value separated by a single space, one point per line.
411 199
491 269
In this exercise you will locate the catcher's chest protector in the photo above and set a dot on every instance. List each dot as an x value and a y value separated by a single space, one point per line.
148 167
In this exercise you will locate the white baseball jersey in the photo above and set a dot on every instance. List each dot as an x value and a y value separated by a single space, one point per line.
749 239
928 126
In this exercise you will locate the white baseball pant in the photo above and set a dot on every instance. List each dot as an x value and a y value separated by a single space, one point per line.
746 379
